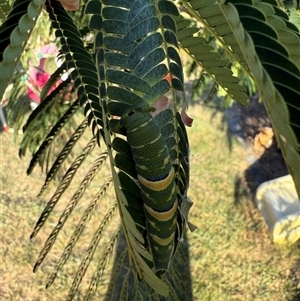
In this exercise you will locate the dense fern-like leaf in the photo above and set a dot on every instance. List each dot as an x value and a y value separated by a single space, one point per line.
210 14
68 210
78 231
63 186
101 266
124 291
116 271
280 96
85 74
134 77
210 60
44 106
90 252
286 34
292 7
54 78
63 154
54 131
144 70
15 32
37 125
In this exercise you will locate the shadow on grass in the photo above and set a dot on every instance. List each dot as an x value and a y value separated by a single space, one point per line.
179 275
269 166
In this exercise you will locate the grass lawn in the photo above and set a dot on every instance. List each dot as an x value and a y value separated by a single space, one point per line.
232 256
231 253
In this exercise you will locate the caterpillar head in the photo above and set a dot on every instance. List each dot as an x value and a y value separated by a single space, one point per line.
135 117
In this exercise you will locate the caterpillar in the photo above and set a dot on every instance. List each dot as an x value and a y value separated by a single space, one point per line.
156 176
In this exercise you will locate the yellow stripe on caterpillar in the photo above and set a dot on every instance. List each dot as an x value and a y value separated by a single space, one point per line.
163 241
157 200
162 216
152 142
157 249
158 185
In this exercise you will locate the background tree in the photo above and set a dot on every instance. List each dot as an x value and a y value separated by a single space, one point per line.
123 55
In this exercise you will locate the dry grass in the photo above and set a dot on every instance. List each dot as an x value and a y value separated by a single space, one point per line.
20 210
231 254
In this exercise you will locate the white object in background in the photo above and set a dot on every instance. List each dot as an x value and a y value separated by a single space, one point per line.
278 202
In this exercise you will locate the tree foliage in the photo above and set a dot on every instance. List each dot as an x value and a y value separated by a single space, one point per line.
124 55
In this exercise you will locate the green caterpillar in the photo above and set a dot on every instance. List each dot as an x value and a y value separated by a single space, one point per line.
157 180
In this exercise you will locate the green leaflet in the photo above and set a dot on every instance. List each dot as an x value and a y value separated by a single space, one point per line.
204 54
76 56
